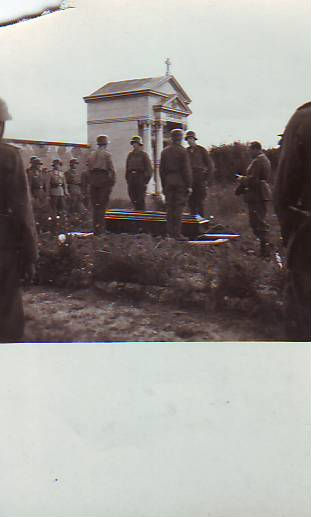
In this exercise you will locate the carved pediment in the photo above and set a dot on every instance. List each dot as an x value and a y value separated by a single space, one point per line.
173 103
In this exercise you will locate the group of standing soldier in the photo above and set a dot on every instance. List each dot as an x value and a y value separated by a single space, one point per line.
183 174
53 191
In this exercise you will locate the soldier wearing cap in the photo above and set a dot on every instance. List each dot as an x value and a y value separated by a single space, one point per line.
56 188
32 160
102 178
33 171
18 249
138 173
74 183
37 183
292 200
176 179
202 166
256 190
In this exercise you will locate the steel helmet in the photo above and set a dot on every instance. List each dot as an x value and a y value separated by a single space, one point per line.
102 140
137 139
4 112
177 135
190 134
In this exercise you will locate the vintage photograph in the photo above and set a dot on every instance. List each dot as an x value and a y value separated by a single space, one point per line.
155 258
155 198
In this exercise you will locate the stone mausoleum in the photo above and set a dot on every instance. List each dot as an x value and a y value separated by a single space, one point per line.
149 107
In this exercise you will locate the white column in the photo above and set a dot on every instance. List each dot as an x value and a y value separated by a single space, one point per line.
158 150
147 137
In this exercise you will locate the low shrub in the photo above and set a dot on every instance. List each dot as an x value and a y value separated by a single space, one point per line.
64 265
135 259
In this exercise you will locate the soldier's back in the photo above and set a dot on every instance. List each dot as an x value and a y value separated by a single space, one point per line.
9 156
293 181
174 156
293 207
8 153
99 159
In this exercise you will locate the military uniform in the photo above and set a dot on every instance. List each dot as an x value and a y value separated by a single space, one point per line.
176 179
201 165
292 198
257 194
74 183
37 184
17 241
56 188
101 181
138 174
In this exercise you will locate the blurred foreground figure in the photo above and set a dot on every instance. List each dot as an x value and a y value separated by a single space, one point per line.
101 181
138 173
176 178
18 251
292 197
202 166
256 190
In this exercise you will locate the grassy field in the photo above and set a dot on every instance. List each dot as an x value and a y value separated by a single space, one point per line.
144 288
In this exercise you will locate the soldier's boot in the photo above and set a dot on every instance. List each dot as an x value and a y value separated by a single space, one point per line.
177 235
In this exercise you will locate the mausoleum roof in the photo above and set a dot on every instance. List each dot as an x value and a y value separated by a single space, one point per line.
138 85
133 84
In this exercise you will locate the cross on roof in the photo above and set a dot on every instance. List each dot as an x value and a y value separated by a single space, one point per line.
168 64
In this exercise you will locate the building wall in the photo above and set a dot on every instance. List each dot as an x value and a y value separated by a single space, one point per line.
119 107
152 101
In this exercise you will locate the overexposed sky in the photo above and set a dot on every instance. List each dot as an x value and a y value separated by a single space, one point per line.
244 63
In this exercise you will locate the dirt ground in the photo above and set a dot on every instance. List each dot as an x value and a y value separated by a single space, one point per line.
89 314
85 316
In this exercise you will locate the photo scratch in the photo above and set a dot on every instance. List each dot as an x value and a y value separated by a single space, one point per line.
31 10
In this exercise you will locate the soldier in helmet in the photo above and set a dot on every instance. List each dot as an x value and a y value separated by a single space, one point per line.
202 166
256 190
292 199
18 249
176 179
74 182
56 187
101 181
138 173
